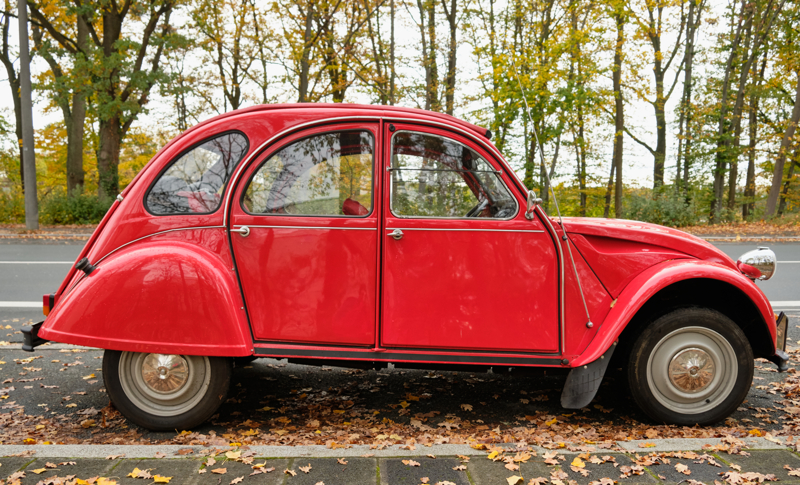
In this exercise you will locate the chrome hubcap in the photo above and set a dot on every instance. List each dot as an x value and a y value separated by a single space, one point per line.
692 370
165 373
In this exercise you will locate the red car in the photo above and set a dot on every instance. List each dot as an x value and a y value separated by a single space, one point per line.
345 234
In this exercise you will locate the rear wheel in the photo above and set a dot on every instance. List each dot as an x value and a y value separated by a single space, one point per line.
690 366
163 391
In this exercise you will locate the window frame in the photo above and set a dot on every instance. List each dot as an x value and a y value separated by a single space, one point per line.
274 152
179 156
498 172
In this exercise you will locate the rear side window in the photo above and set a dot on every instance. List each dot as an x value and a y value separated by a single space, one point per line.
194 183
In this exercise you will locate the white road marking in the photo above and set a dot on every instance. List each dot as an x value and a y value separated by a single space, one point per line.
21 304
36 262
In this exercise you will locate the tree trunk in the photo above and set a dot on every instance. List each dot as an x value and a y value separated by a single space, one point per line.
392 99
619 116
450 78
777 175
108 158
609 188
13 81
752 126
685 123
788 183
302 88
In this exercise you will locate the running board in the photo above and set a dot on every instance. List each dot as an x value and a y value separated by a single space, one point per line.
584 381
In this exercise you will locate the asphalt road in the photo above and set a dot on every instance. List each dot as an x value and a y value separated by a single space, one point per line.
30 270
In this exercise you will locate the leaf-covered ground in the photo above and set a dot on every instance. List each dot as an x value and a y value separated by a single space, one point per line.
57 396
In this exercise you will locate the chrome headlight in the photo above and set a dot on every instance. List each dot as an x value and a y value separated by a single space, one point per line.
758 264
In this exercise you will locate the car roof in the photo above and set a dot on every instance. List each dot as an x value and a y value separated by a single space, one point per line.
351 107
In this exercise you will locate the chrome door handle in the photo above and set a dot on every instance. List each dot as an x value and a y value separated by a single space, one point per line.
397 234
244 231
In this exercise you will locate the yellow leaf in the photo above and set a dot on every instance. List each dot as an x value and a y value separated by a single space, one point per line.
404 404
90 376
754 432
160 479
29 441
493 455
233 455
235 443
551 422
338 411
514 480
578 463
105 481
39 470
41 426
79 481
252 432
134 473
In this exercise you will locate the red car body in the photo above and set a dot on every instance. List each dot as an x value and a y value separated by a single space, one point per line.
465 291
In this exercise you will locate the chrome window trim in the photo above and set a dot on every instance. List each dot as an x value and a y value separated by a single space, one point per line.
461 229
312 227
462 218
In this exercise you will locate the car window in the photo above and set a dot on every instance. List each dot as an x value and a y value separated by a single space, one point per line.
323 175
195 182
434 176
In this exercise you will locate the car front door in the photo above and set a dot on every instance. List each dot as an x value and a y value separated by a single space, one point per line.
463 268
308 258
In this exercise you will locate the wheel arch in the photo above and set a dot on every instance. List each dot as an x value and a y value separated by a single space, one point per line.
172 293
681 284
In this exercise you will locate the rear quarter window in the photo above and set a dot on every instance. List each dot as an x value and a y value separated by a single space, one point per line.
195 181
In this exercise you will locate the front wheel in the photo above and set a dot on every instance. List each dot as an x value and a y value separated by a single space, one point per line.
691 366
165 392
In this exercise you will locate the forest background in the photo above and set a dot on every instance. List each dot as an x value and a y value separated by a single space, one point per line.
677 112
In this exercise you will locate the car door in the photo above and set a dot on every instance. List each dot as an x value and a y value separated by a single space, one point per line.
308 258
462 266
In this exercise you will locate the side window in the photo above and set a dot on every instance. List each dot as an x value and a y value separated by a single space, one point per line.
194 183
323 175
433 176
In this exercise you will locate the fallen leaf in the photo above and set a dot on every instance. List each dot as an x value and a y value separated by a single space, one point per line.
39 470
220 471
341 461
290 472
514 480
512 467
466 407
425 479
460 468
233 455
577 462
161 479
114 457
681 468
538 481
159 454
237 480
305 469
410 463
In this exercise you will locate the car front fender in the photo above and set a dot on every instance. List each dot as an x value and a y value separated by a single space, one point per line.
656 278
158 295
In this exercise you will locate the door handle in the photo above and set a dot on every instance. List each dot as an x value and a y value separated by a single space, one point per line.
244 231
397 234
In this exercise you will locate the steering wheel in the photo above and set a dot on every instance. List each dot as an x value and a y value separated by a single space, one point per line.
475 211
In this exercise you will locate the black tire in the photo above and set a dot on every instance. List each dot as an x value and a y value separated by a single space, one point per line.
210 393
668 364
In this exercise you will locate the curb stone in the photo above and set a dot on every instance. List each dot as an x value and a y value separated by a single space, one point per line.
320 451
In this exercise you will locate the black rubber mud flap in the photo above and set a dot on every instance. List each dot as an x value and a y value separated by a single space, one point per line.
584 381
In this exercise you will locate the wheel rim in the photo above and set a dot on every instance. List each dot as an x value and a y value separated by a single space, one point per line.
692 370
164 384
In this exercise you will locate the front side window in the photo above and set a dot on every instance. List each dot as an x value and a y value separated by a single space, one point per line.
195 182
433 176
323 175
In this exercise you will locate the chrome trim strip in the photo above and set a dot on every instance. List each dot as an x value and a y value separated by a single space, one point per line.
137 240
244 163
459 229
314 227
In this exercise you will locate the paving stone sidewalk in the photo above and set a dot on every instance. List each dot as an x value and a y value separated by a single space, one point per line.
389 470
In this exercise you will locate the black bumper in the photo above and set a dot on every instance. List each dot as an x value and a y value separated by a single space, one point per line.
781 358
31 338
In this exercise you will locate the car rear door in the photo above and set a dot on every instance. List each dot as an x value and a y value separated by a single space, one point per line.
308 257
462 266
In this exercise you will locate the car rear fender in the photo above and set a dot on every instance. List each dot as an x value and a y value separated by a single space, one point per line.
173 293
671 274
